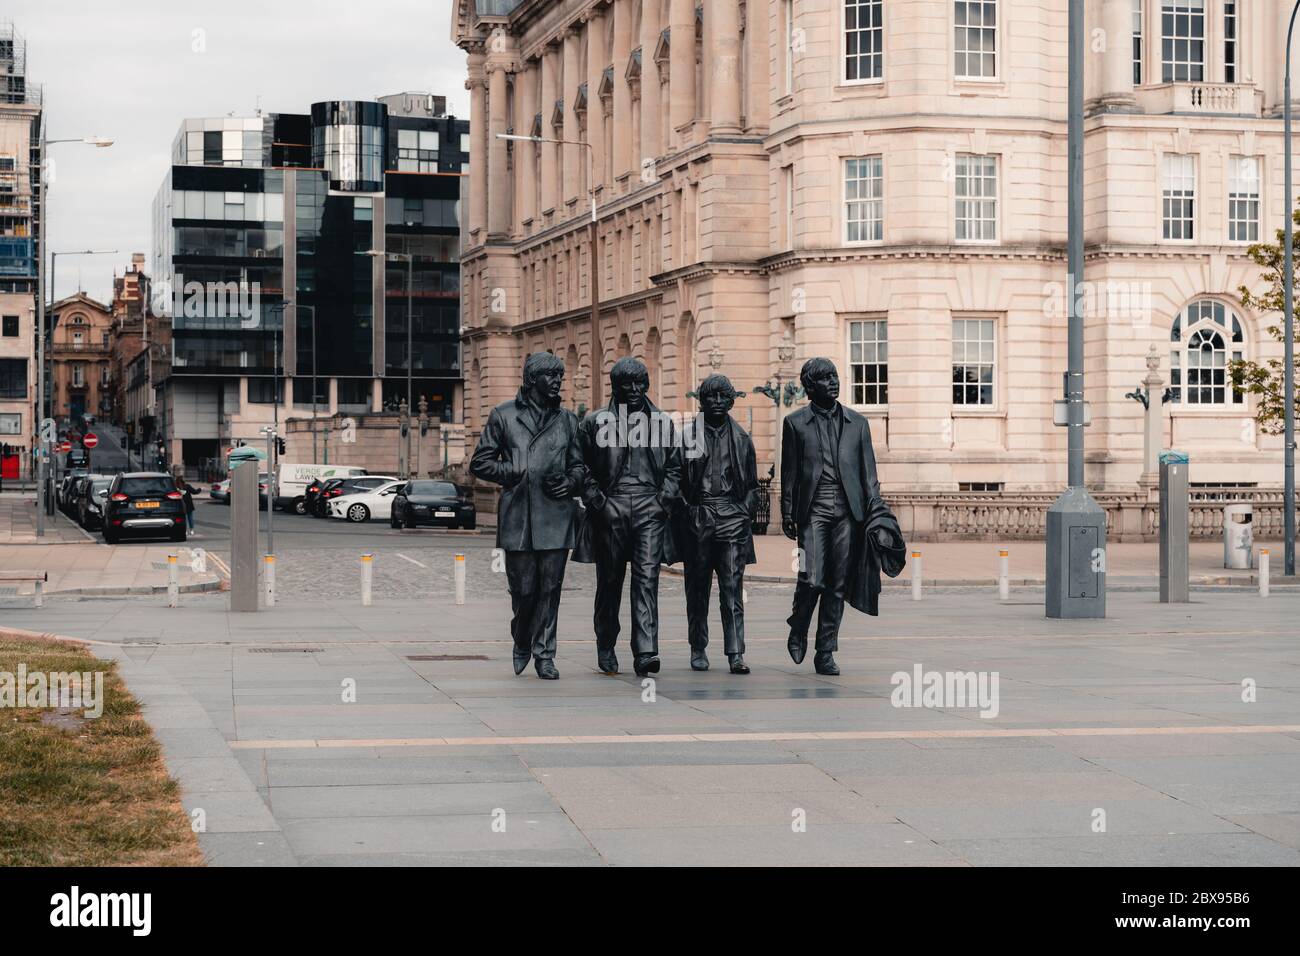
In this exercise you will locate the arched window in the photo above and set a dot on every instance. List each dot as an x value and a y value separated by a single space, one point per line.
1205 337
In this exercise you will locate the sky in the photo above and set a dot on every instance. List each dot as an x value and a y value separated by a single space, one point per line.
132 71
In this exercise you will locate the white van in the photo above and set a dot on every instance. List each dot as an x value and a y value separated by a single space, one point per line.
292 480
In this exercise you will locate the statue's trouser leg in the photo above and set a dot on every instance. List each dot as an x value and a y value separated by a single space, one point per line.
699 584
550 583
836 529
649 525
521 577
729 560
612 533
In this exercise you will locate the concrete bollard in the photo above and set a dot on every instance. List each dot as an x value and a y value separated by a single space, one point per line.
39 600
916 575
269 579
1263 573
1004 581
460 578
173 582
367 578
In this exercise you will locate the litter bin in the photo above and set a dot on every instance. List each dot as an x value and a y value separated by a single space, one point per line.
1238 535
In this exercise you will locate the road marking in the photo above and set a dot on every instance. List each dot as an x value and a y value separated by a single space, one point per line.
412 560
308 743
222 567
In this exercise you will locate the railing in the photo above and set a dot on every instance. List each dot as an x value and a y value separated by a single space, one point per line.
1227 98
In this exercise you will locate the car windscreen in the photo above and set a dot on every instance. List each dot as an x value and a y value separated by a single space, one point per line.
100 485
147 486
443 489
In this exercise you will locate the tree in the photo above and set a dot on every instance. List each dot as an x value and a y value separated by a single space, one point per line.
1266 380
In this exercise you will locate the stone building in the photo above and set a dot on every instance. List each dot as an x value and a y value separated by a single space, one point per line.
884 183
80 355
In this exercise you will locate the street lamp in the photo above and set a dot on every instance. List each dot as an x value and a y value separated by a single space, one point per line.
409 259
592 256
1288 308
783 394
42 481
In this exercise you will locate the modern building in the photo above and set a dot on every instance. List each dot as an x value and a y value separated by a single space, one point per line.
884 183
80 354
262 229
20 160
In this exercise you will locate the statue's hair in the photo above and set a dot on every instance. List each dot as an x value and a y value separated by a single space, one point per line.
716 383
540 362
628 368
814 366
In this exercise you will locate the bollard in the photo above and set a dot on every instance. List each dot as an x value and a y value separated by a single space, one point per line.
173 586
460 577
916 575
40 593
1263 573
367 574
1004 583
270 579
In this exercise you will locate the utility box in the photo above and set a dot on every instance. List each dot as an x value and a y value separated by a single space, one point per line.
243 536
1174 571
1076 556
1238 536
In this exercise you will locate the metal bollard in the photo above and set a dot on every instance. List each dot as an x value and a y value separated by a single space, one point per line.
173 584
916 575
367 577
1004 583
460 578
269 564
1263 573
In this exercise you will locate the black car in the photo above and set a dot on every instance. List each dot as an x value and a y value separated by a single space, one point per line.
144 504
433 502
91 496
317 501
63 494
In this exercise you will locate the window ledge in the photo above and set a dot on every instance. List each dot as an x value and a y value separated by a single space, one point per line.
959 411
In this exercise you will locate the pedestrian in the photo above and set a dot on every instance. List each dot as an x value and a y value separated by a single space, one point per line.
187 491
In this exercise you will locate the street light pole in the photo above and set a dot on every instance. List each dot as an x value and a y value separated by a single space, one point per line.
593 241
1288 308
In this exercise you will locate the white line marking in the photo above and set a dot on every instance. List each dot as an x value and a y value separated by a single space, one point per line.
412 560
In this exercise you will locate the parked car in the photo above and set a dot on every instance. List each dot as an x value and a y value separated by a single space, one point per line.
319 492
63 493
364 505
337 487
293 481
220 491
144 504
431 502
92 494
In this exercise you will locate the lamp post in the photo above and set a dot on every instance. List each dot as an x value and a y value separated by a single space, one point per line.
783 394
1288 308
45 497
409 259
592 240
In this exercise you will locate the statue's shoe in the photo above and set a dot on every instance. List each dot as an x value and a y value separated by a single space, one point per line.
646 664
824 663
546 670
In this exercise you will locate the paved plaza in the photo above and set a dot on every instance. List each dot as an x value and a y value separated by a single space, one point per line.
327 733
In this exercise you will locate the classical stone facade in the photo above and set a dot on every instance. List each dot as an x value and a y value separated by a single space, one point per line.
883 182
79 358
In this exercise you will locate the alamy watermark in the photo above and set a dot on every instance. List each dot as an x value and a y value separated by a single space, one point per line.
76 690
655 429
195 299
947 689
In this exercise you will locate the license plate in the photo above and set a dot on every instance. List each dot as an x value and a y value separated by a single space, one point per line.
444 514
146 504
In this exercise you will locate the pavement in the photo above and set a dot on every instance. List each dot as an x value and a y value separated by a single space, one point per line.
327 733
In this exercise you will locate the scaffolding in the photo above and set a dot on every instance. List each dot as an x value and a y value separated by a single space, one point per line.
13 68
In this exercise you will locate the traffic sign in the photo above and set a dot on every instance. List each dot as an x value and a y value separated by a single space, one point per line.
91 440
65 445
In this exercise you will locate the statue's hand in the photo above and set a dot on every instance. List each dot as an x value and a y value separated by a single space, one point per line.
790 530
884 538
556 486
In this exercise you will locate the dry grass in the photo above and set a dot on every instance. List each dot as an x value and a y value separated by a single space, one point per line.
96 794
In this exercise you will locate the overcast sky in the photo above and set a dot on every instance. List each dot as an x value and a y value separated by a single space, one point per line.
129 70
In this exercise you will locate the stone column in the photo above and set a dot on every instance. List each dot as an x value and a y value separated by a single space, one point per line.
681 66
596 62
723 54
1153 434
498 179
651 117
622 117
1117 62
478 165
550 156
574 156
525 153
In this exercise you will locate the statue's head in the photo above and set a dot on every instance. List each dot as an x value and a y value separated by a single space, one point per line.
630 382
716 396
544 376
821 381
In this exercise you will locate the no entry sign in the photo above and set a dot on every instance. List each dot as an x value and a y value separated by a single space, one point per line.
91 440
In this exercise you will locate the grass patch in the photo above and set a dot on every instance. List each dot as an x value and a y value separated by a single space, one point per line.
89 792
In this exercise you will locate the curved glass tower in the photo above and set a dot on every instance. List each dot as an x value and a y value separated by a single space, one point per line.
348 141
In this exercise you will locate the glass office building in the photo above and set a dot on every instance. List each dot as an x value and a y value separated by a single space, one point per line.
262 231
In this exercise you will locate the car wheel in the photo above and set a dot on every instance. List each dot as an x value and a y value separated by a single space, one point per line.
358 513
471 524
299 506
109 537
392 520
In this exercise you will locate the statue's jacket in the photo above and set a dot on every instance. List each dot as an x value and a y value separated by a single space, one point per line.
695 466
513 455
